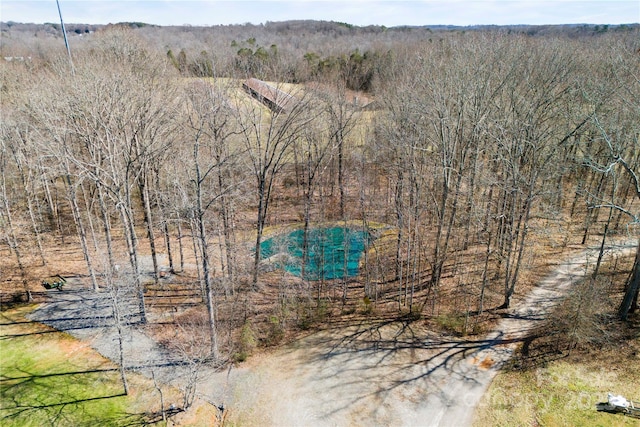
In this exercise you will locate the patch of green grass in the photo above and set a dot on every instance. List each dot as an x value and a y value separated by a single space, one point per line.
450 322
49 378
560 394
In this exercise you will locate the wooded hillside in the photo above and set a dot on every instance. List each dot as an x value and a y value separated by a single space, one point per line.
468 155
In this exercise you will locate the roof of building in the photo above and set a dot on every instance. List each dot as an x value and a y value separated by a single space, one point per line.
274 98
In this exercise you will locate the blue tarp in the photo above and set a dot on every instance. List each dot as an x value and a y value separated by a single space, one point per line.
333 253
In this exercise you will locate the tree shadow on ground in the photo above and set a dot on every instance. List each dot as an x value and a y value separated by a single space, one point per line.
30 397
62 398
401 358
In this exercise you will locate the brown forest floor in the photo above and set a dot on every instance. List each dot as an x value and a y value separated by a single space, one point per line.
277 311
284 307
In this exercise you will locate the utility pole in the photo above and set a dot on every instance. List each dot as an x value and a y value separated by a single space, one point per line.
64 34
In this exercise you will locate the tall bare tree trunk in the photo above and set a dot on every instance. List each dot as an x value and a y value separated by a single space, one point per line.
26 183
341 174
118 321
146 205
521 238
630 300
11 235
77 217
106 225
167 243
180 245
195 246
592 214
208 286
131 239
52 207
260 222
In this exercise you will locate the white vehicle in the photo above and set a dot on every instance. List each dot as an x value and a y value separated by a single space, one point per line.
619 404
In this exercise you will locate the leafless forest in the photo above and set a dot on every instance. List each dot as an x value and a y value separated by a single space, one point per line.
139 166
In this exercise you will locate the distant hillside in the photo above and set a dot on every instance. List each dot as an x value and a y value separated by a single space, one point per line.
303 50
311 27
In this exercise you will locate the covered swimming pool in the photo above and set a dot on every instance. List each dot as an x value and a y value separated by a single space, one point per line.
332 252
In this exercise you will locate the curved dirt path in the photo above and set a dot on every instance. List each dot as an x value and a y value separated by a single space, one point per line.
386 373
372 374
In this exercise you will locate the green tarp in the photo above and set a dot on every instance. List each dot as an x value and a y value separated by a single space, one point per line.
333 253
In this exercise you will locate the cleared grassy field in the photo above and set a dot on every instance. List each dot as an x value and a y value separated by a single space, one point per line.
561 394
49 378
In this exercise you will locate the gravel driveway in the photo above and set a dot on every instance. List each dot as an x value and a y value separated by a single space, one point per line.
386 373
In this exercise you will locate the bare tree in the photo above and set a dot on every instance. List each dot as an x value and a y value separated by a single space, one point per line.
618 164
612 152
209 128
22 158
117 289
314 151
528 139
56 142
268 136
9 227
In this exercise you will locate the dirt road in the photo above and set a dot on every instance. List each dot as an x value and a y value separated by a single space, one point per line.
386 373
373 374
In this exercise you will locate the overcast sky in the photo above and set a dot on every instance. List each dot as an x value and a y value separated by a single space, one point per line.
357 12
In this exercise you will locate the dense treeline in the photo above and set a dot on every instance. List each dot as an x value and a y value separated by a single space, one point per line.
477 144
308 47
